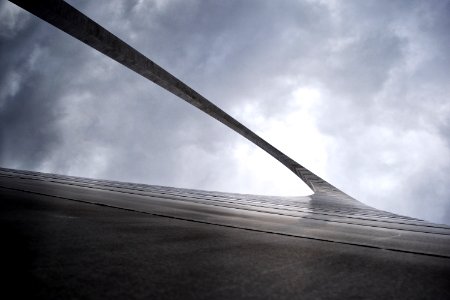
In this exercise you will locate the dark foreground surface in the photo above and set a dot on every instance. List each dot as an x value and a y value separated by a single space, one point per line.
55 248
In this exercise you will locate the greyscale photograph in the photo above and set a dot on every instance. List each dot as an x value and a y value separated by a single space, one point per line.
235 149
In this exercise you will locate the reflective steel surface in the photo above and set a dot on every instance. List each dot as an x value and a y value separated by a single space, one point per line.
84 238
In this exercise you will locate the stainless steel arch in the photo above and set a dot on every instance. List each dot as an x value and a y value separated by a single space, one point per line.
70 20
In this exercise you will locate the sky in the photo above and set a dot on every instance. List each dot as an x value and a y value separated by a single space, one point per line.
356 91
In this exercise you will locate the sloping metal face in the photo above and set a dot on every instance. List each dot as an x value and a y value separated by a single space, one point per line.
70 237
318 217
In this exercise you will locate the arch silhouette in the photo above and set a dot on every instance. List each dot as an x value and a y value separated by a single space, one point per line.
70 20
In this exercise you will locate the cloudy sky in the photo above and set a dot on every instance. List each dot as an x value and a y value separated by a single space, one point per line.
356 91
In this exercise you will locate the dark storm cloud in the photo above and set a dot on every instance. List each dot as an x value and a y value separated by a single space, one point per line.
378 124
26 115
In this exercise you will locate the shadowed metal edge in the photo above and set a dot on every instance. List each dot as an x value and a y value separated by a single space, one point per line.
70 20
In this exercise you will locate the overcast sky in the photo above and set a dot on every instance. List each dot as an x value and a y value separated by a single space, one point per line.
356 91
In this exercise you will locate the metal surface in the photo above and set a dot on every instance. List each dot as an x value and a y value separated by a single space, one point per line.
70 237
310 217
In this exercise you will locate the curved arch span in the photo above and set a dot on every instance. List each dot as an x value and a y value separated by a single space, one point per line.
70 20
